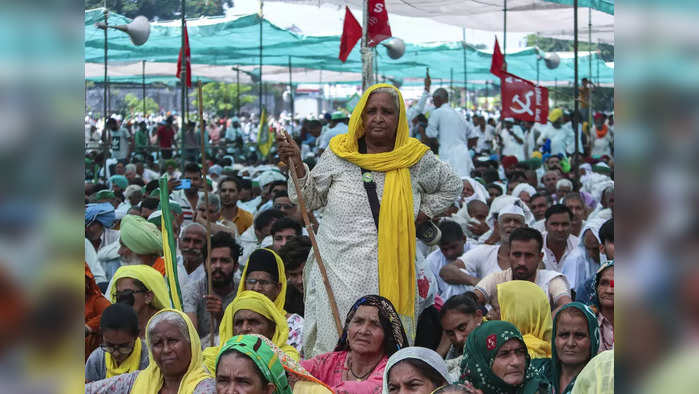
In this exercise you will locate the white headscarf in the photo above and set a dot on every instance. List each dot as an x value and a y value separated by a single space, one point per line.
504 201
523 187
419 353
479 191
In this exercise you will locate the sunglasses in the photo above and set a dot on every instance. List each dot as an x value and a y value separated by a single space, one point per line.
127 296
262 282
124 348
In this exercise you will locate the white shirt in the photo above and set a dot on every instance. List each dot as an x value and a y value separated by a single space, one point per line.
250 206
568 265
482 260
449 127
93 263
416 110
510 146
184 278
119 143
339 128
436 261
571 137
179 197
562 140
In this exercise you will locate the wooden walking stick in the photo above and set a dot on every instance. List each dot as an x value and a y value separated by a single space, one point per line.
206 200
312 236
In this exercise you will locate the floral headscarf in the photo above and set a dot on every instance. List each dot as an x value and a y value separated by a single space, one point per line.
262 355
482 346
394 334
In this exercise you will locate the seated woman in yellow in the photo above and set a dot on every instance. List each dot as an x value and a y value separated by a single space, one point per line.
251 313
525 305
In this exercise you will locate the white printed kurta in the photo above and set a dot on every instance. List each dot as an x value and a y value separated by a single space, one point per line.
348 239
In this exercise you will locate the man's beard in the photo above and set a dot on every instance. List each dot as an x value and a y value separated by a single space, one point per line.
223 281
132 259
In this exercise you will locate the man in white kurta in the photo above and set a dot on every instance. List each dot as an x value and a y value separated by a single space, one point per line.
453 134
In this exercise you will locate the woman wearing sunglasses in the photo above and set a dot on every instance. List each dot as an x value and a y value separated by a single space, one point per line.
143 288
121 350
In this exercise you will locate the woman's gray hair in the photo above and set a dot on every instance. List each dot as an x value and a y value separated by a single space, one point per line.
171 317
392 92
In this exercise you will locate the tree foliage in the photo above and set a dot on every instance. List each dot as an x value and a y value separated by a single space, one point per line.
162 9
133 104
220 98
553 45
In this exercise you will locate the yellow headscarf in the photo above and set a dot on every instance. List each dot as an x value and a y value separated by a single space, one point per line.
525 305
150 380
150 277
131 364
259 303
396 219
281 297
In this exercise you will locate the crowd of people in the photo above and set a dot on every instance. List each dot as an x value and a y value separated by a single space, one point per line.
440 251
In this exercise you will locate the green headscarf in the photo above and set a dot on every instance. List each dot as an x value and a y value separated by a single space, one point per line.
551 367
479 353
104 195
140 236
263 356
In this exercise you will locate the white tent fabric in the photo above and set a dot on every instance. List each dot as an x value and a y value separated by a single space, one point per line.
549 19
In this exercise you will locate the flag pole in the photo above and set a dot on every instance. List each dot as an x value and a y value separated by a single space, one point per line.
206 200
312 237
183 81
366 52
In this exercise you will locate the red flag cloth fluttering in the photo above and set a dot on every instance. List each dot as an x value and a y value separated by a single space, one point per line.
188 59
351 33
522 99
379 29
497 64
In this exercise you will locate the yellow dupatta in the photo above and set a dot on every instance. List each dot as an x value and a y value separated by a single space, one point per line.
396 235
150 380
281 297
525 305
258 303
129 365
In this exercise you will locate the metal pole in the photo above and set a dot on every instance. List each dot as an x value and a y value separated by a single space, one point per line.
183 82
575 89
143 86
451 85
504 32
237 91
105 114
376 65
538 58
291 94
463 35
555 90
366 52
589 71
260 87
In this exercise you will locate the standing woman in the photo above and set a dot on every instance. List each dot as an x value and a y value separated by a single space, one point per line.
575 342
411 185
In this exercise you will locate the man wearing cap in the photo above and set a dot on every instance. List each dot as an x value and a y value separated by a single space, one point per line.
336 126
141 243
485 259
562 138
454 134
97 218
512 139
601 138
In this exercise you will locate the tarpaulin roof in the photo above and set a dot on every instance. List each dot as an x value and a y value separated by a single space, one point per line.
217 44
549 18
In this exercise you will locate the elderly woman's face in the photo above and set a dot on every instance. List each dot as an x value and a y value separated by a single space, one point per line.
510 362
365 332
380 118
171 351
468 189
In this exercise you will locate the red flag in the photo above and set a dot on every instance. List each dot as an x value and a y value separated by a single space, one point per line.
351 33
498 65
522 99
188 59
379 29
